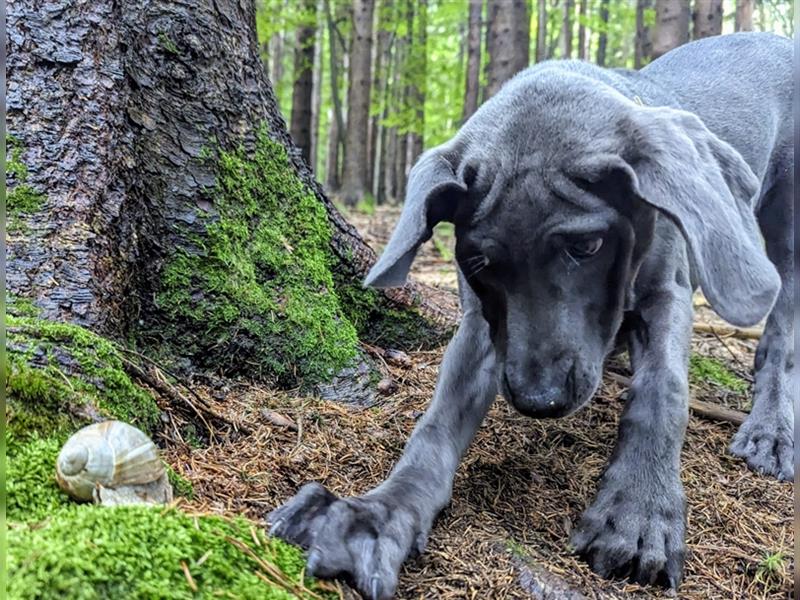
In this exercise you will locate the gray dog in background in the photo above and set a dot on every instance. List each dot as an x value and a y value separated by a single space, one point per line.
588 205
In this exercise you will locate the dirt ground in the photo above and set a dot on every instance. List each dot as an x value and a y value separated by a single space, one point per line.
522 484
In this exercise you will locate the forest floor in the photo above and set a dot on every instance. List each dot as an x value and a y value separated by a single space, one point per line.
523 483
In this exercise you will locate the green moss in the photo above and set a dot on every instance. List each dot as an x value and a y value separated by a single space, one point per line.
180 485
31 490
137 552
704 369
256 292
167 43
21 198
57 368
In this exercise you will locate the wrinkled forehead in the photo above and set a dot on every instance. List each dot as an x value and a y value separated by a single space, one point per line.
529 198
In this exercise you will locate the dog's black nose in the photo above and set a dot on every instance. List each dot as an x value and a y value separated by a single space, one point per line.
547 394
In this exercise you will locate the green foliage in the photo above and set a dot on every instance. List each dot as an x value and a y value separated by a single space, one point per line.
180 485
773 564
258 288
704 369
137 552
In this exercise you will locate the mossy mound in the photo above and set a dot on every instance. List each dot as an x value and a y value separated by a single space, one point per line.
59 378
21 198
255 293
61 375
142 552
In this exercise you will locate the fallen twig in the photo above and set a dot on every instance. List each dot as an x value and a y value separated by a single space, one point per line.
742 333
701 408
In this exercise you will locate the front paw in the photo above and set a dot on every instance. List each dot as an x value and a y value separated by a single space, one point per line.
636 533
765 441
364 539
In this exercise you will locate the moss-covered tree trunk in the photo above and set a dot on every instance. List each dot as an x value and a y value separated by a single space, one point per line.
156 195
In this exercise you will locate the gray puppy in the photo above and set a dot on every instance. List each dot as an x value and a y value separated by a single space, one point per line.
588 205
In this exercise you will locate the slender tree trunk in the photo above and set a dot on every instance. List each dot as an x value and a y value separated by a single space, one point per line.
582 10
744 15
419 69
707 18
672 26
316 84
355 177
402 104
566 29
335 139
277 63
508 42
643 44
126 236
302 91
541 30
602 41
472 86
383 59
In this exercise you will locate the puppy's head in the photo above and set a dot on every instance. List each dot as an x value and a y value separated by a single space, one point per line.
553 187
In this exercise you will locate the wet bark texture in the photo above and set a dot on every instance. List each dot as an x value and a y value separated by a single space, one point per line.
115 102
508 42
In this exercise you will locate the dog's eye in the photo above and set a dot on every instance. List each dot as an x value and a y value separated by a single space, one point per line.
584 248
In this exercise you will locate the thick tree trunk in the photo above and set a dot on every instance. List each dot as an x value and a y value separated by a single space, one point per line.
744 15
178 182
355 176
602 40
382 70
276 72
643 44
582 10
472 85
508 42
672 26
707 18
302 90
418 67
566 29
541 30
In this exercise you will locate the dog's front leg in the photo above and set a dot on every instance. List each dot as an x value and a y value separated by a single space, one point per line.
635 528
367 538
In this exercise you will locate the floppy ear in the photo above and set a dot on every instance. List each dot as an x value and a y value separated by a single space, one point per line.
432 196
677 165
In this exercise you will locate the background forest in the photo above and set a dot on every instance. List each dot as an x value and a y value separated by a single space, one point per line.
366 85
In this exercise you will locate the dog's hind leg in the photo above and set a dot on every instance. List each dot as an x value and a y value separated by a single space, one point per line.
765 438
367 538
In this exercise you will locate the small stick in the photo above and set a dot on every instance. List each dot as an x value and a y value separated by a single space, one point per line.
702 408
742 333
188 575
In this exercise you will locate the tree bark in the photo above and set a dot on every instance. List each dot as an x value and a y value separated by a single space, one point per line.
419 67
707 18
508 42
566 29
163 90
302 90
643 45
744 15
602 40
672 26
355 176
472 84
381 84
582 10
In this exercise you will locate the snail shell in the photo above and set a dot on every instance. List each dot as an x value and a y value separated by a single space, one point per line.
111 454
